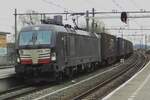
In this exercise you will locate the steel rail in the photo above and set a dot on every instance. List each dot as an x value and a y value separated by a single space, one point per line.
17 92
56 92
90 91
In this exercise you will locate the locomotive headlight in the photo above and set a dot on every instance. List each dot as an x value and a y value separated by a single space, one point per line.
53 56
18 60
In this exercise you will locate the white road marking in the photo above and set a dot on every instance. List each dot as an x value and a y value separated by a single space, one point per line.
59 90
109 95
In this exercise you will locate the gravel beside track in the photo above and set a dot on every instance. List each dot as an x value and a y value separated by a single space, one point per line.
107 88
76 89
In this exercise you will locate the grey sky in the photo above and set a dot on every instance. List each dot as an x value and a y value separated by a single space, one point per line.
8 6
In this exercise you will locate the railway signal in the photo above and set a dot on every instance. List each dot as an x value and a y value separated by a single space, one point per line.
124 17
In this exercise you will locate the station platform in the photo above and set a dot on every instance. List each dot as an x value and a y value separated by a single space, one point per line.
136 88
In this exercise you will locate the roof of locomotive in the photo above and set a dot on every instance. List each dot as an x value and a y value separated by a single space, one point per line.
56 28
48 27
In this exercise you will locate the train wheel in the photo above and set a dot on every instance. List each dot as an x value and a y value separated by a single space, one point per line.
88 67
79 69
69 73
93 67
59 76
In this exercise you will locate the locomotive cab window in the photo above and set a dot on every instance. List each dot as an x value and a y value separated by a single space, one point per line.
25 38
35 38
43 37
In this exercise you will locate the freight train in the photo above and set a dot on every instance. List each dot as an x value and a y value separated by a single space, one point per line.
50 52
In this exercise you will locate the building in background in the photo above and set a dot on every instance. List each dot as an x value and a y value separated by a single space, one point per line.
3 43
4 55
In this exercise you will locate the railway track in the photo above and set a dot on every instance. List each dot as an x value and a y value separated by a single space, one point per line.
6 66
63 91
93 94
13 92
21 90
7 72
71 91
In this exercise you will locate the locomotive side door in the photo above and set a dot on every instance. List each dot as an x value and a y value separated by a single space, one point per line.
69 49
63 47
60 49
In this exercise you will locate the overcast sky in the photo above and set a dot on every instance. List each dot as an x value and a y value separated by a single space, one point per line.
8 6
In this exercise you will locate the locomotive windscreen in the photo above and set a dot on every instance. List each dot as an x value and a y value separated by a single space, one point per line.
35 38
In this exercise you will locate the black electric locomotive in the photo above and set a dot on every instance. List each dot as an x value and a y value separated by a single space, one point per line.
49 51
